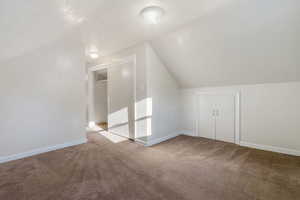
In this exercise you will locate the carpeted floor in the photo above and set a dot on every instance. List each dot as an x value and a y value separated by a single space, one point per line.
182 168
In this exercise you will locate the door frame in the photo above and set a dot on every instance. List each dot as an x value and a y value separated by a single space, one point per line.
90 87
237 114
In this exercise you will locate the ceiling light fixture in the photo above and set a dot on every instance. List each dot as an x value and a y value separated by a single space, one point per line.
94 55
152 14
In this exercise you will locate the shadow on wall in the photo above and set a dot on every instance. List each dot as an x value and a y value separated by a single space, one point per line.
143 119
118 121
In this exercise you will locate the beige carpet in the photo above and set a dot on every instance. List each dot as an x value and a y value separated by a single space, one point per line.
182 168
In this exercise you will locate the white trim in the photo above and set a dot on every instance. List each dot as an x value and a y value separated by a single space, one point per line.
237 134
271 148
162 139
41 150
121 61
188 132
140 141
237 118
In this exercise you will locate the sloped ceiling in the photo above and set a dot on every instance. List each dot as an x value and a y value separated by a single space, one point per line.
202 42
247 42
30 24
107 25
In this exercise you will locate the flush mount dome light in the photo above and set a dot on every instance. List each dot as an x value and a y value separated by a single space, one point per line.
94 55
152 14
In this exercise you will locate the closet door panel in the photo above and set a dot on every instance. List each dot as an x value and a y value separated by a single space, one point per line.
206 120
225 118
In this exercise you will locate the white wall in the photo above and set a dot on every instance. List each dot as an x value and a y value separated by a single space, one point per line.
164 92
42 98
120 89
270 113
100 101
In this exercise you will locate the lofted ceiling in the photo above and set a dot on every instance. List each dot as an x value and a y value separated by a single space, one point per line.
202 42
30 24
105 25
248 42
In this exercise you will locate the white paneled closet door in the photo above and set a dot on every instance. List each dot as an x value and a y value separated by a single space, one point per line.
225 118
217 117
207 122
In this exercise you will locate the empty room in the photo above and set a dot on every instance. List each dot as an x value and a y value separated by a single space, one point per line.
150 100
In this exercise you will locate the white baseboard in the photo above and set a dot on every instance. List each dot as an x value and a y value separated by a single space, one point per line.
271 148
162 139
187 132
140 141
41 150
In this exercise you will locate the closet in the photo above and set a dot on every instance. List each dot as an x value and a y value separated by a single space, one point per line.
216 116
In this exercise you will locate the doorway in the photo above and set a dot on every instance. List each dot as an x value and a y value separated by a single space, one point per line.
101 99
111 97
